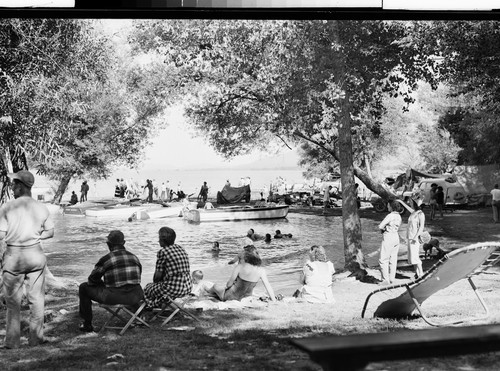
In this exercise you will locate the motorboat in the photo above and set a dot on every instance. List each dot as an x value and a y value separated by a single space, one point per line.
174 209
78 209
123 210
233 213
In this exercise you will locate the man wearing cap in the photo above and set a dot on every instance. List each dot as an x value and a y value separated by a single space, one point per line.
172 275
24 222
116 279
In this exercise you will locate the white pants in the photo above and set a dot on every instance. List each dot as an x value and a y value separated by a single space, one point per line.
388 258
24 265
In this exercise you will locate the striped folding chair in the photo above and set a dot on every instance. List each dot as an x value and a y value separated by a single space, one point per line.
407 298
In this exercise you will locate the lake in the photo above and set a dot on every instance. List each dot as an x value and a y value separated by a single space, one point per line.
79 242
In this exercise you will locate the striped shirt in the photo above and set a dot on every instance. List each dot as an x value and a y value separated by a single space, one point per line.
118 268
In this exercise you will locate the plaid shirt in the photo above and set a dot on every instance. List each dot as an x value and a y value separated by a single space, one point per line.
119 268
172 265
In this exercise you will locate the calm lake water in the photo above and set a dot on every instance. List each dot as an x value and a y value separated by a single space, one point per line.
79 242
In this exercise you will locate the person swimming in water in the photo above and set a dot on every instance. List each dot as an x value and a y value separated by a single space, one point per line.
278 234
215 246
254 236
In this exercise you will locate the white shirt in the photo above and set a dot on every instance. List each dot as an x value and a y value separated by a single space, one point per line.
318 281
496 194
391 222
24 219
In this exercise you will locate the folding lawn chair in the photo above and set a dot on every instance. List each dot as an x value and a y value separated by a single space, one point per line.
175 306
454 266
117 312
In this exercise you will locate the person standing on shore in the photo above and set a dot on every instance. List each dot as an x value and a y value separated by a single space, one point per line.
24 222
433 200
440 200
388 257
495 202
168 193
415 228
149 186
326 199
84 190
115 279
203 192
162 192
117 188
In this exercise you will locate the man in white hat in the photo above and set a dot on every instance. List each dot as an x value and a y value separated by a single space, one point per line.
24 222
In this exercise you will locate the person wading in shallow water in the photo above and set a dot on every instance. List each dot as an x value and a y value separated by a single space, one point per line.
23 223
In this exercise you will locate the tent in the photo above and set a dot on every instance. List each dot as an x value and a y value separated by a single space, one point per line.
231 195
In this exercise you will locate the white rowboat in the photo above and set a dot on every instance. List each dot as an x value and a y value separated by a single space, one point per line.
233 213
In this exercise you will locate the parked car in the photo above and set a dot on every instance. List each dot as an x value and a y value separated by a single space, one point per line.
454 192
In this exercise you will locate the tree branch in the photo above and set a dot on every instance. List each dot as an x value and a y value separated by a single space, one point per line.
286 144
301 135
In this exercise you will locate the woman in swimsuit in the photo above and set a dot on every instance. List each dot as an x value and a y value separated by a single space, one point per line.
244 278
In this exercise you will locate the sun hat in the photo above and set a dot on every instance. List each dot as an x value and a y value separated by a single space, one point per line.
24 176
425 237
116 237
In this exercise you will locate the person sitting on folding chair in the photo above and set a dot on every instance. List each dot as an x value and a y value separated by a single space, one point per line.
172 277
116 279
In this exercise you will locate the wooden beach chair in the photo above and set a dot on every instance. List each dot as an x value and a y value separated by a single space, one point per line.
454 266
170 308
120 312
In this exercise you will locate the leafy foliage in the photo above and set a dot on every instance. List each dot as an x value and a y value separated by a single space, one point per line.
74 107
469 53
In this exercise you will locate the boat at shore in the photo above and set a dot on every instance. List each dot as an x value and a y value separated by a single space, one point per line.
234 213
119 211
78 209
174 209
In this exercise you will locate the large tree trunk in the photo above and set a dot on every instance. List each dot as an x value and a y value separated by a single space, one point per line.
384 192
63 185
351 222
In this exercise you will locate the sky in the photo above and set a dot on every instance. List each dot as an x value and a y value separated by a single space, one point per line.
176 146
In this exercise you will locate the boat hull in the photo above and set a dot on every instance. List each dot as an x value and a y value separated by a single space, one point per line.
236 213
164 212
119 211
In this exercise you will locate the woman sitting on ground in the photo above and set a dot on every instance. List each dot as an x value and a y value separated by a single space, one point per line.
244 278
317 278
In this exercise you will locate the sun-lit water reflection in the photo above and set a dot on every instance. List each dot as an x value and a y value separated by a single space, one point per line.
79 242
